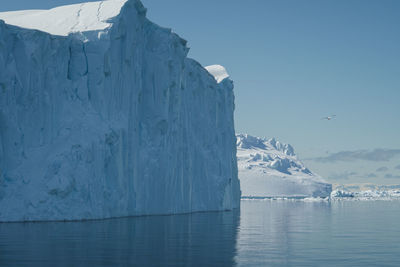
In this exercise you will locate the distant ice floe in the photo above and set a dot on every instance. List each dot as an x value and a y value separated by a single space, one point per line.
287 198
366 195
337 195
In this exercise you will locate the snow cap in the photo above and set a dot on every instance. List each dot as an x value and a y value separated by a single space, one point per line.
64 20
218 71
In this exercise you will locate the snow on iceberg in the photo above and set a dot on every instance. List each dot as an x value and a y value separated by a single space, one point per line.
63 20
268 168
218 71
103 115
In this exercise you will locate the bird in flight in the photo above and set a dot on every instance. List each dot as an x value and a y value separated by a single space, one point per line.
329 117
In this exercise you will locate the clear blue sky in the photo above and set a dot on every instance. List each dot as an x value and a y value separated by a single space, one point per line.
294 62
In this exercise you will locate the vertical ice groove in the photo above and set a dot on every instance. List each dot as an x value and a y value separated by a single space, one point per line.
69 63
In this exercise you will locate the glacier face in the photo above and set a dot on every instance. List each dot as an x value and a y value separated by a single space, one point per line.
110 120
268 168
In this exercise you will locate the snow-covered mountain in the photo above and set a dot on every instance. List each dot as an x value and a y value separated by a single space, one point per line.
365 187
103 115
268 168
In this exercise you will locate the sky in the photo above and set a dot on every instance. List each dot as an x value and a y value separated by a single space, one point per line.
294 62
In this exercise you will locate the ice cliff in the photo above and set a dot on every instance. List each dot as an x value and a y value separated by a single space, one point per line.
103 115
268 168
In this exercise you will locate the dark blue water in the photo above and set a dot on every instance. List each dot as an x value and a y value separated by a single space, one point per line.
262 233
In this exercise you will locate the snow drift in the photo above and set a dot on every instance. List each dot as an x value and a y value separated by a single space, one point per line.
103 115
268 168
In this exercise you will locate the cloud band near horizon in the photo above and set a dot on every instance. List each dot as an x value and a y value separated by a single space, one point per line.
379 154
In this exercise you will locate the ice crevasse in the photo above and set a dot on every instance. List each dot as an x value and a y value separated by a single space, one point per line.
103 115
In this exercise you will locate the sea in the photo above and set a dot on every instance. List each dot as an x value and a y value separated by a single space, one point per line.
264 232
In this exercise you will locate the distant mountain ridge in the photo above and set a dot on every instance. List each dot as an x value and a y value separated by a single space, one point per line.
246 141
365 187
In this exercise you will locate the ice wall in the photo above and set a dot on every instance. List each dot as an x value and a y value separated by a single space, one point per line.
111 122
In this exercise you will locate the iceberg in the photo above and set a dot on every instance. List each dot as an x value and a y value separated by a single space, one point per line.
367 195
269 168
365 191
102 115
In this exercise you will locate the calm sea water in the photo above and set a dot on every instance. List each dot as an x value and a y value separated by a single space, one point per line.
262 233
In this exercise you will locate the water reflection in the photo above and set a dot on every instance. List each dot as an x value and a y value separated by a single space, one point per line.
339 233
269 233
277 233
200 239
